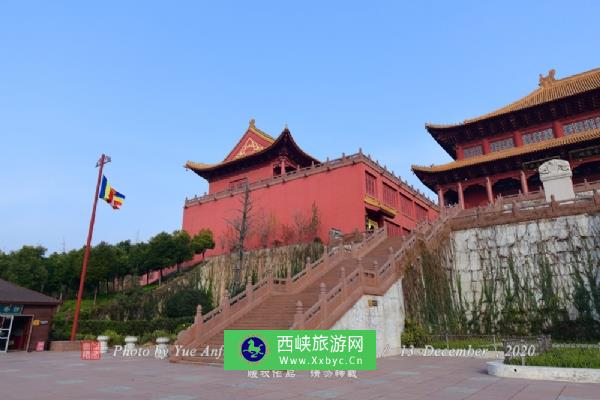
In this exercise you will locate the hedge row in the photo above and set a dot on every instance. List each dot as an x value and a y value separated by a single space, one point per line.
61 328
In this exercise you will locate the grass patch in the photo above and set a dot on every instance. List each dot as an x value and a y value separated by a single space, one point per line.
565 358
87 305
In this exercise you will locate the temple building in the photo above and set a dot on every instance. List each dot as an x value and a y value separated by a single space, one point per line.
287 188
497 154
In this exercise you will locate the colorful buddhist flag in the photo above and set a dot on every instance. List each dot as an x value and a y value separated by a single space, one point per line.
110 195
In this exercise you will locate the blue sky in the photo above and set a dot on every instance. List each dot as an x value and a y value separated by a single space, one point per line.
154 84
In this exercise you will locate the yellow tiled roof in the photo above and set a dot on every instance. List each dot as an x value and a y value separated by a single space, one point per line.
550 90
196 166
514 151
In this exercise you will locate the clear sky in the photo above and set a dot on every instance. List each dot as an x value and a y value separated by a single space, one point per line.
154 84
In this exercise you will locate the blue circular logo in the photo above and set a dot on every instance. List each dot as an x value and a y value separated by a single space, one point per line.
253 349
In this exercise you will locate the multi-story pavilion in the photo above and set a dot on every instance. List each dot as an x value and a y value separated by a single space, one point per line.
351 193
497 154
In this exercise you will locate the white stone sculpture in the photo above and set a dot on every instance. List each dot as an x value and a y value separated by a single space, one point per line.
103 343
162 348
556 178
130 342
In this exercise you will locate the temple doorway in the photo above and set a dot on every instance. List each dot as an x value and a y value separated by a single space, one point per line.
588 170
507 187
450 198
475 196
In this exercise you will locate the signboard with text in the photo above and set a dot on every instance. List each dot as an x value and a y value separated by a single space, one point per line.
300 350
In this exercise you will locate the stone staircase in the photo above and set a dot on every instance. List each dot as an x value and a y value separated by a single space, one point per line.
315 298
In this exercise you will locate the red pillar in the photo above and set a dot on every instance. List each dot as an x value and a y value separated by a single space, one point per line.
488 188
461 197
440 197
282 161
486 146
524 187
558 129
518 139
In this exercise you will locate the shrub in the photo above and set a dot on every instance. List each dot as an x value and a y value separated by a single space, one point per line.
184 302
113 337
564 358
414 335
62 328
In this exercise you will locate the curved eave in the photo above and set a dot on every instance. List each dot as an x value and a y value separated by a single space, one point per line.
423 172
556 90
208 170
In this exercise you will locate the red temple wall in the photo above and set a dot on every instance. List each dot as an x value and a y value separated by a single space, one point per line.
336 193
257 173
339 195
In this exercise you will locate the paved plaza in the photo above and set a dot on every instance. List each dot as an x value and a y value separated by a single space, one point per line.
65 376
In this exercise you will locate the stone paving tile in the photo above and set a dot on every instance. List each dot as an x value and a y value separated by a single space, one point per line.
64 376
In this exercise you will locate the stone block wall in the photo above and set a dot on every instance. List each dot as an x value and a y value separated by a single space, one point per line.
386 318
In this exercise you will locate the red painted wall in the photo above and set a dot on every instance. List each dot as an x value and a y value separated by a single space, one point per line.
258 173
339 195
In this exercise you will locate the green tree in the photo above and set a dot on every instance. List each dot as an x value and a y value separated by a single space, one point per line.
4 265
102 260
123 266
139 260
184 302
161 253
182 248
203 241
27 267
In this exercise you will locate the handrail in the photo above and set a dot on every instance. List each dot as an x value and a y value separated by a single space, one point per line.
515 211
314 169
379 278
217 319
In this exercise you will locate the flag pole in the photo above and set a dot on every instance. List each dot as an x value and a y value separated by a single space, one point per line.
103 160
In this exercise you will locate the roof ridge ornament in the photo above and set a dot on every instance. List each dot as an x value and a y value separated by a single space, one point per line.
252 123
546 81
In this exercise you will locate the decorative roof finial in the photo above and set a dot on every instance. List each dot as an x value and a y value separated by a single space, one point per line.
549 80
286 127
252 122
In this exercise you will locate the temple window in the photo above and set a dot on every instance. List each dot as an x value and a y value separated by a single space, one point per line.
371 184
538 136
473 151
389 195
582 126
405 205
502 144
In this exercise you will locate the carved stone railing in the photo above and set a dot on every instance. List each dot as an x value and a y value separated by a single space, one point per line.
329 165
525 211
230 309
332 304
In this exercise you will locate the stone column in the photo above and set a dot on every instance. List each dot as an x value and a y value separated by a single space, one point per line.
461 197
489 190
524 186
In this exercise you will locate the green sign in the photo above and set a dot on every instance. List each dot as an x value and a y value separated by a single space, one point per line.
11 309
268 350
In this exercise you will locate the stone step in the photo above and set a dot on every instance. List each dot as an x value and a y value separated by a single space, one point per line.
278 311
